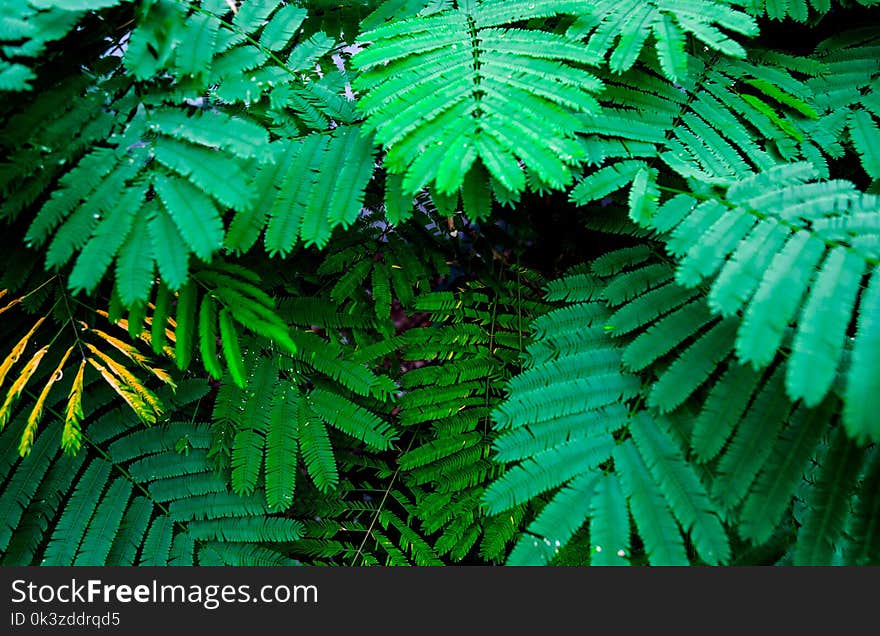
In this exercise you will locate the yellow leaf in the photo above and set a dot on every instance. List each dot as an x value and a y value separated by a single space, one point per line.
146 396
163 375
30 431
134 401
17 350
18 386
124 348
10 305
71 435
135 356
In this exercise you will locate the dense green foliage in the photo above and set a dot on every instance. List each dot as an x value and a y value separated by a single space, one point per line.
428 282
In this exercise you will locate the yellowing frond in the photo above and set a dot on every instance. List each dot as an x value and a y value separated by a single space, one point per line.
134 401
135 356
10 304
71 436
124 348
146 396
30 431
17 350
163 375
18 386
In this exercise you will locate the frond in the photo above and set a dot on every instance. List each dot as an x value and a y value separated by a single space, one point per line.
473 68
557 522
828 502
653 519
813 281
629 25
609 523
310 208
782 474
282 443
703 127
105 520
861 381
350 418
317 453
682 489
862 548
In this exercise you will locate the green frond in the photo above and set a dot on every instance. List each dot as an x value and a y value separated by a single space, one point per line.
609 523
606 180
310 208
282 445
350 418
22 481
472 75
193 213
682 489
208 336
76 514
653 519
782 474
863 546
185 318
694 366
98 516
547 470
865 134
131 532
134 267
169 247
722 409
828 502
317 452
861 378
105 522
626 26
157 544
752 443
818 345
237 135
786 251
667 333
231 348
247 460
556 523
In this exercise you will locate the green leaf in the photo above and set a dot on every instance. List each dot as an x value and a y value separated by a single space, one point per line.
863 381
352 419
865 135
74 520
609 524
134 266
818 345
828 502
208 336
186 324
316 451
231 348
193 213
655 523
172 256
682 489
282 443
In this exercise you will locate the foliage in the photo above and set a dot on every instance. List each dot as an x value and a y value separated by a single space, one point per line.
423 282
